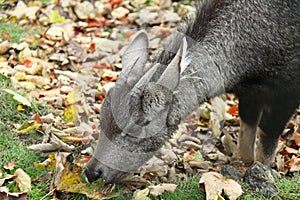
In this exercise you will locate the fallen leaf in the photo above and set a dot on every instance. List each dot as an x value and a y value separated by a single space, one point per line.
71 113
10 165
115 3
18 97
288 150
23 180
37 119
233 110
28 126
74 96
54 144
119 12
6 178
215 183
75 139
55 17
141 194
293 164
6 195
48 164
49 93
27 63
296 137
70 180
84 10
4 46
159 189
217 115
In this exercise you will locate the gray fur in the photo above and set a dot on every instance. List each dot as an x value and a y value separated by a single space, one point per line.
247 47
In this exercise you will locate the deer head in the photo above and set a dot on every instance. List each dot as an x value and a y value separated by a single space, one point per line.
134 114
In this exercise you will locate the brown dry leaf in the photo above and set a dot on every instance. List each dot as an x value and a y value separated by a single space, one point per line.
215 183
75 139
159 189
6 195
293 164
288 150
23 180
10 165
296 137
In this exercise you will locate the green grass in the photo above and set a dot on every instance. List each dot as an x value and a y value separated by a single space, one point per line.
14 146
186 189
16 32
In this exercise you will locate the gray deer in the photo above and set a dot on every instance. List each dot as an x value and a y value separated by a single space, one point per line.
247 47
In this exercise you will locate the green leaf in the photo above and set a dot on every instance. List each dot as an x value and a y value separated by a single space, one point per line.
18 97
198 155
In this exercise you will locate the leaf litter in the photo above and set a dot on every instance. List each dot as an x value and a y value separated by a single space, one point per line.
71 66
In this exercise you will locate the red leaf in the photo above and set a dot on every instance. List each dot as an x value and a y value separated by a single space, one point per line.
97 23
92 47
27 63
115 3
233 110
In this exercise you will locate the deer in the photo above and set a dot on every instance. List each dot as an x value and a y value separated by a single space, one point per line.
250 48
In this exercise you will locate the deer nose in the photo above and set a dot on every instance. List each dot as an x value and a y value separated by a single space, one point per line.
93 175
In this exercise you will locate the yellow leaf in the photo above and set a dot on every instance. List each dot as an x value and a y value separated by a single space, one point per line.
55 17
71 113
26 127
48 164
20 107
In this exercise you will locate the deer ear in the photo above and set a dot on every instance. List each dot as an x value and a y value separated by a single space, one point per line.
171 76
134 59
137 89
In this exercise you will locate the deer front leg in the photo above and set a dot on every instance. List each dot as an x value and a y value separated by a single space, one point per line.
250 112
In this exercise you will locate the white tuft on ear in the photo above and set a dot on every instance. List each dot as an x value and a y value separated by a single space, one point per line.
171 75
